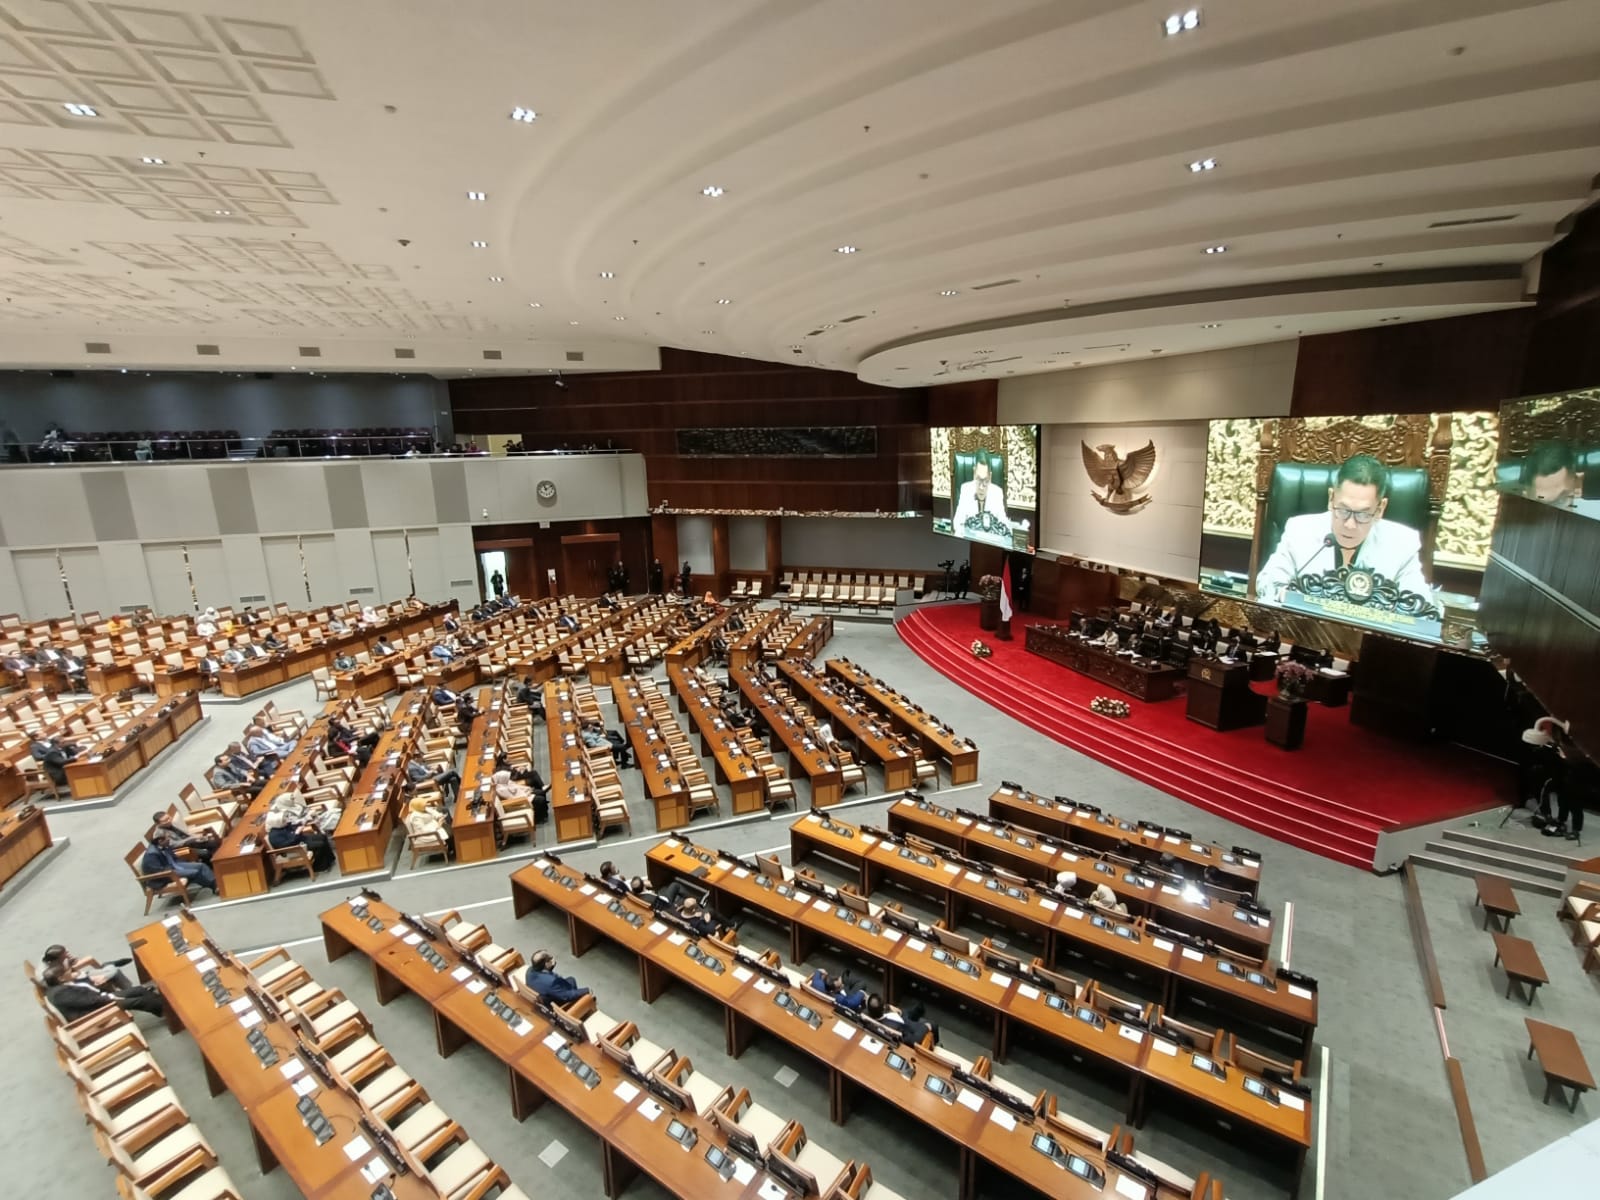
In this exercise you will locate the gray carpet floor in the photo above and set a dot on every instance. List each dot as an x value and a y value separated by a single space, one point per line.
1390 1130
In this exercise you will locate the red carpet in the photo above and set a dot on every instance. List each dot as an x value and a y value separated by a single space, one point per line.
1315 797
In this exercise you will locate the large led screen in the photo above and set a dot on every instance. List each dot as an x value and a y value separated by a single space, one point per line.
986 483
1550 451
1380 521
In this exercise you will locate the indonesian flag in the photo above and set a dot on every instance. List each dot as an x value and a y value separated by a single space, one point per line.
1005 591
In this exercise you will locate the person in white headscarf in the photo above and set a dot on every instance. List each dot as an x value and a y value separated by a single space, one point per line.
206 626
1105 898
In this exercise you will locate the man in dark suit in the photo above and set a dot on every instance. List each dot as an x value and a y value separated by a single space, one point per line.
74 998
54 756
547 985
658 577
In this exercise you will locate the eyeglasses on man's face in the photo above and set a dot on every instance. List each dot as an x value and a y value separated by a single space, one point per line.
1359 516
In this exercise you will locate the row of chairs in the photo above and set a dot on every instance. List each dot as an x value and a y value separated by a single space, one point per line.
865 597
849 579
664 727
135 1116
1581 907
748 589
453 1164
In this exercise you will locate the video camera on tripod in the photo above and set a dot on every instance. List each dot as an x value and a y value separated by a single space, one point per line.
947 588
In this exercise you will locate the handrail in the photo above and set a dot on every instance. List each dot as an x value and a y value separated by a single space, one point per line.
86 454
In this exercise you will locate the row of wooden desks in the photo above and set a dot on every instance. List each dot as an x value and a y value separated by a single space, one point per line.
106 765
745 649
733 766
1086 825
874 737
374 806
808 643
755 997
472 824
1178 970
936 739
1040 859
663 779
807 759
571 807
175 955
625 1119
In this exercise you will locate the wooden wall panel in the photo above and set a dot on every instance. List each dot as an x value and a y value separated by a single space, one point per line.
1564 349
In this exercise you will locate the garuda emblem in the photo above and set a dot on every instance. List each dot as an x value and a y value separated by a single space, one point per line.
1120 477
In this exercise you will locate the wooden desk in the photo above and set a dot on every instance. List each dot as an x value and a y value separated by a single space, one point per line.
173 681
371 811
663 780
852 1059
806 759
265 1093
23 837
1150 682
106 765
473 827
616 1111
1010 847
571 808
813 636
1521 963
107 679
1061 818
1561 1060
745 650
1273 1002
875 738
1498 901
936 739
252 675
733 766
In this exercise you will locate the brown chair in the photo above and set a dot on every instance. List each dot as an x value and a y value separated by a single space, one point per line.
284 859
156 883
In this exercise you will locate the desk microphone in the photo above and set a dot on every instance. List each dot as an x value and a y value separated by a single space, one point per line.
1327 542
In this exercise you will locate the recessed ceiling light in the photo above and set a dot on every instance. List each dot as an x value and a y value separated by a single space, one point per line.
709 332
1216 249
1181 22
497 279
154 162
479 245
534 304
829 325
81 110
222 212
724 300
477 195
525 115
949 292
608 274
619 318
1203 164
571 322
844 250
711 190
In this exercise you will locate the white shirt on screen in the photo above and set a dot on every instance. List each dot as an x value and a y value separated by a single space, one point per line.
1391 549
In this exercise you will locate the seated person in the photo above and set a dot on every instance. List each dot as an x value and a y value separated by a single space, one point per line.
337 625
283 832
701 922
206 626
510 794
567 622
640 887
233 656
232 772
465 711
543 981
443 651
343 662
76 998
265 746
451 625
88 970
530 695
369 615
158 857
1066 883
249 616
382 648
912 1023
53 756
1105 898
447 778
272 642
842 988
425 819
612 879
201 845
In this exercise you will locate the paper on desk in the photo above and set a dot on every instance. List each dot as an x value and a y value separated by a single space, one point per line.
356 1148
553 1040
1002 1118
892 934
414 939
1130 1187
657 927
1290 1100
723 864
1133 1035
241 1004
982 828
963 820
649 1109
743 1172
1027 991
522 1028
292 1068
870 1044
461 974
742 974
1197 848
172 922
196 954
676 939
1048 905
772 1191
399 929
972 875
844 1029
824 905
740 873
587 889
625 1092
541 863
970 1099
868 839
1161 943
997 978
476 986
764 986
917 944
1193 955
250 1020
1075 913
305 1086
375 1170
1251 862
1169 889
673 842
1296 990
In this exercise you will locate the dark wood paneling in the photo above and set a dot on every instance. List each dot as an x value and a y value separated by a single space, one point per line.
974 402
526 569
1564 350
1458 364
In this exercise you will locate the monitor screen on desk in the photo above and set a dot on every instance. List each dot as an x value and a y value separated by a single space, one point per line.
986 483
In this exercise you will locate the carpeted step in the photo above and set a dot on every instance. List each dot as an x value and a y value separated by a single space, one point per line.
1284 813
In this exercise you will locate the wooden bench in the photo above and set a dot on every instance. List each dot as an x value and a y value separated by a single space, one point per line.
1560 1059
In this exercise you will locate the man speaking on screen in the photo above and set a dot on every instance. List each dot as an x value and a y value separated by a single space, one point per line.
1351 534
981 505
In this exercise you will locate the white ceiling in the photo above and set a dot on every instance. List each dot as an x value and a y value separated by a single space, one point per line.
955 144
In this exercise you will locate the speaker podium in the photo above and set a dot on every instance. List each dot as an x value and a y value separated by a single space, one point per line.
1220 695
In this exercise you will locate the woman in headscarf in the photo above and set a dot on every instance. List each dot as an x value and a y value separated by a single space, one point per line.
1105 898
509 794
206 626
423 819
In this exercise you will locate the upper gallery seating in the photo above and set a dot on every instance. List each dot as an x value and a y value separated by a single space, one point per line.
168 445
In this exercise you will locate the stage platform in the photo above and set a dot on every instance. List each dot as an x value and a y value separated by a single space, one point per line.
1334 796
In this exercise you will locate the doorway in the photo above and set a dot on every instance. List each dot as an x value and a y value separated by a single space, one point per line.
492 567
586 561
